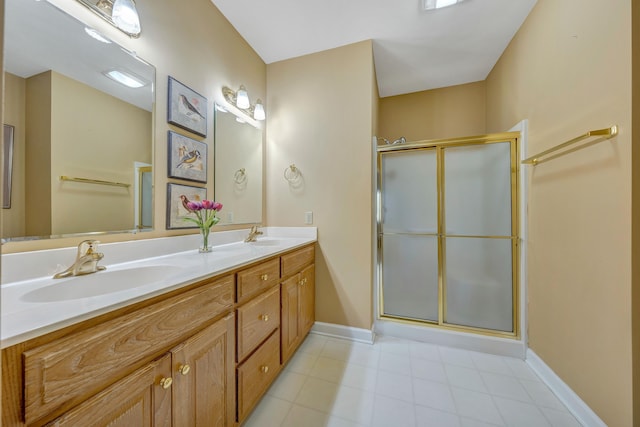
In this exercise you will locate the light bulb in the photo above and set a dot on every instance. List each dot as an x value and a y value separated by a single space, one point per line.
242 98
126 17
258 111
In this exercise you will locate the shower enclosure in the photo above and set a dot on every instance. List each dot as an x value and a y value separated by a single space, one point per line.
447 218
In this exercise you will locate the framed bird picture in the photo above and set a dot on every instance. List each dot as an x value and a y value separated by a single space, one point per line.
177 196
187 109
187 158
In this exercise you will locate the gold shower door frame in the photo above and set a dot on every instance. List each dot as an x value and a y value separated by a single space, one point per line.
439 146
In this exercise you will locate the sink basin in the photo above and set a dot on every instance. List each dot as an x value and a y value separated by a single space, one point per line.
100 283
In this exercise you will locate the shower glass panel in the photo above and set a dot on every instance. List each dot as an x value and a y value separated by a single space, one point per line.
478 190
479 283
402 173
410 277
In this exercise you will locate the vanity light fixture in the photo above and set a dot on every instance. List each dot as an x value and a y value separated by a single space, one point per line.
240 99
125 78
122 14
438 4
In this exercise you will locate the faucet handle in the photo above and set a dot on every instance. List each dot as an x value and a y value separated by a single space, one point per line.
87 247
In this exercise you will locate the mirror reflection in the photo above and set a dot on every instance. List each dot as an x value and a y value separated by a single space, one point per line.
82 110
238 168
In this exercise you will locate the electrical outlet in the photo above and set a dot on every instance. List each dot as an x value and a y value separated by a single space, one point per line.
308 218
230 217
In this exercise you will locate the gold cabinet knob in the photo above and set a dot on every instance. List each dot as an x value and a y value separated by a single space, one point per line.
184 369
166 382
265 317
264 277
264 369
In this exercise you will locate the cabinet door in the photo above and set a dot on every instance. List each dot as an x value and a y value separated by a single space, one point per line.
290 325
204 380
142 398
307 314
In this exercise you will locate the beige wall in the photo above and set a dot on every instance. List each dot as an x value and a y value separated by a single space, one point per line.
568 70
635 151
434 114
13 223
320 118
197 46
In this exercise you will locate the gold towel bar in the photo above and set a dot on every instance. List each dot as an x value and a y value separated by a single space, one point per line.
94 181
606 133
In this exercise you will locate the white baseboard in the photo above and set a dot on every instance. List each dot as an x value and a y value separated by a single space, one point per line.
474 342
571 400
346 332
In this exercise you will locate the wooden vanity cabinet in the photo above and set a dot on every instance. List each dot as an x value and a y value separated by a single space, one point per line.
203 355
297 299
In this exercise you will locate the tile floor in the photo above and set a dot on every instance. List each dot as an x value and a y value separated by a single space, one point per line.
401 383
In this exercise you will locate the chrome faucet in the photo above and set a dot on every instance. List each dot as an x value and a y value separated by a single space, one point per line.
253 234
86 260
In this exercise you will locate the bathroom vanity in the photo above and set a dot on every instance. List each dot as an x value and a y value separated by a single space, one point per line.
202 352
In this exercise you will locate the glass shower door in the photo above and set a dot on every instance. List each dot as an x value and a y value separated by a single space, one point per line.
409 234
477 239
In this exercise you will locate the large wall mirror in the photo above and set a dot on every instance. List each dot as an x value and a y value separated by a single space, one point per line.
238 168
81 108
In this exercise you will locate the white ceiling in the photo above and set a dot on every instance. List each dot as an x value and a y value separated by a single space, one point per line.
413 50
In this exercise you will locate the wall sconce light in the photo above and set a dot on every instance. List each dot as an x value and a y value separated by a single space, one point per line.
122 14
240 99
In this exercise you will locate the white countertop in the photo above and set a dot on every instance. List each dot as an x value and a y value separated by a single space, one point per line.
34 304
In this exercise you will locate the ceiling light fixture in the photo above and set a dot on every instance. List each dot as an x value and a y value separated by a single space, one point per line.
240 100
438 4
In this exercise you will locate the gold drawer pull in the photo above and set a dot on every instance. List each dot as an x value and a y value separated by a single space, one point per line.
265 317
264 368
165 383
184 369
264 277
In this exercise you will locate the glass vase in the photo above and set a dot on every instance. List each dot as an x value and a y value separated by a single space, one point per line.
204 244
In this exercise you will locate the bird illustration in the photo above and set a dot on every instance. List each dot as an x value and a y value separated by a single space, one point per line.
185 203
188 109
189 159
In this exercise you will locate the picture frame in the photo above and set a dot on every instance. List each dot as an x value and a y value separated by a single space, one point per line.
7 147
187 109
176 212
187 158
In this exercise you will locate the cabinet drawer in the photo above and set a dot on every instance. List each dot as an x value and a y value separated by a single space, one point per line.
256 320
65 372
258 278
255 375
295 261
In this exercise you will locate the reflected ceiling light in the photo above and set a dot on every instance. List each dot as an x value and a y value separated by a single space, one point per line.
96 35
125 78
240 99
438 4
